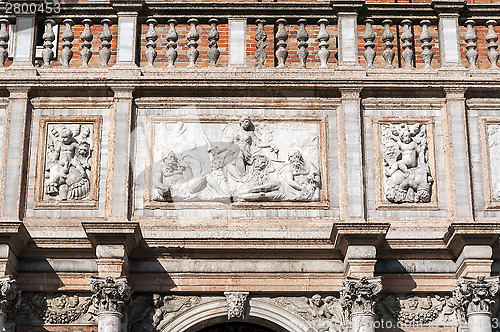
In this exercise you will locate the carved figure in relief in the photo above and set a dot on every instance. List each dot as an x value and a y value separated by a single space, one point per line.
301 180
153 314
245 166
323 314
407 177
67 170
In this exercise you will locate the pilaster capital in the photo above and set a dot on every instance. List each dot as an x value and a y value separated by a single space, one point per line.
455 92
475 295
359 295
123 92
18 92
448 6
111 293
347 6
350 93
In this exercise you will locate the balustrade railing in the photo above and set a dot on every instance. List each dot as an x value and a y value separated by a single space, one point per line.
309 42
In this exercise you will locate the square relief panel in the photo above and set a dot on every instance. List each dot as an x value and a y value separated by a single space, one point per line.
241 162
490 155
67 172
405 170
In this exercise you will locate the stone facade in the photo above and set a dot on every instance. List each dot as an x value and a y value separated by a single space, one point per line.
303 166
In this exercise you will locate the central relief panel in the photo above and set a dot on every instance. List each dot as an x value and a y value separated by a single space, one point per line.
239 161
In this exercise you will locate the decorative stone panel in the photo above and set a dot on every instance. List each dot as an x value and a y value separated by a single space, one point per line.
67 173
489 130
405 163
216 161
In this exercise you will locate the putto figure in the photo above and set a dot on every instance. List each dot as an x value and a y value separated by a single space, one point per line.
407 176
67 169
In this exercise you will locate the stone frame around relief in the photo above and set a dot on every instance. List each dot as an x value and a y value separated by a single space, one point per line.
320 120
92 203
381 202
484 138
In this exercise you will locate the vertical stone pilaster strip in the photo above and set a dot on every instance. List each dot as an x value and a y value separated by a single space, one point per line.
15 145
459 188
117 196
449 43
348 39
111 295
358 298
352 200
24 49
127 39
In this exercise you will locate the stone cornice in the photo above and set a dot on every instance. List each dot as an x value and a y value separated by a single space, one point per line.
470 233
14 234
127 234
346 234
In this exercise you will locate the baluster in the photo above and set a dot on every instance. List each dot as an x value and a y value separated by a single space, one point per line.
48 38
491 38
105 52
86 37
407 39
4 38
426 38
260 38
67 44
388 38
193 37
172 38
213 36
471 39
369 37
282 37
323 38
302 37
151 37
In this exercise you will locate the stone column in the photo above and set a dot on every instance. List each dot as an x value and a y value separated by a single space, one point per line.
14 151
358 297
119 155
459 189
474 261
111 294
474 298
8 296
360 261
352 200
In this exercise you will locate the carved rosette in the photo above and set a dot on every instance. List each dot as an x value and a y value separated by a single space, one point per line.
358 296
475 295
8 294
111 293
236 304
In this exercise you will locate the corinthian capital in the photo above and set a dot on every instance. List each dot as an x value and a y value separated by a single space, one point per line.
358 295
476 295
8 293
111 293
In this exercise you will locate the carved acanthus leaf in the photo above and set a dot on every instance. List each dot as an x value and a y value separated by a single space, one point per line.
474 295
111 293
360 295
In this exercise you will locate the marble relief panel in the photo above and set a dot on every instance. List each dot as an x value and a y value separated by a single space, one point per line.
490 155
405 170
237 161
67 162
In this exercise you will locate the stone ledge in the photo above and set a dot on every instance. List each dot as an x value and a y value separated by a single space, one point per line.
470 233
358 233
127 234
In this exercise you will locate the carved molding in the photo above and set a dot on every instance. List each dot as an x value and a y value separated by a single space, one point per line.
404 163
111 293
475 295
359 295
245 163
67 173
236 304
